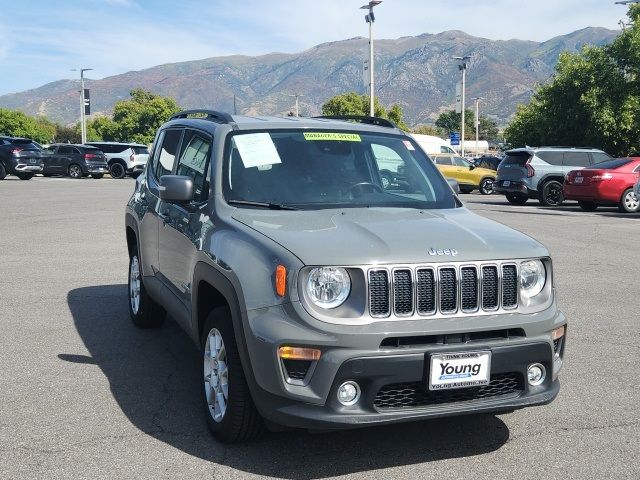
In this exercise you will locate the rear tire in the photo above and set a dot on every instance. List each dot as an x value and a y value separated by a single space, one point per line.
75 171
97 176
3 172
144 311
629 203
486 186
117 170
234 417
588 206
551 195
24 176
515 199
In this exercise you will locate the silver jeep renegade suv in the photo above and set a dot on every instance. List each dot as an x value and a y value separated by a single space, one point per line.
322 297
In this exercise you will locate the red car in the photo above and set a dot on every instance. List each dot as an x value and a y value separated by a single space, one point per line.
606 183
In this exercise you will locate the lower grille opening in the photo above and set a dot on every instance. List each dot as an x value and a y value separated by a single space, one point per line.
557 344
417 394
426 340
297 369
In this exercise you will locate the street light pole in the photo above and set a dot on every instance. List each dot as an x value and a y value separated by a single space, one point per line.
83 120
463 67
477 100
370 19
297 96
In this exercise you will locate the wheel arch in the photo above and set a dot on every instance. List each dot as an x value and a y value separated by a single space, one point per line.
212 289
548 177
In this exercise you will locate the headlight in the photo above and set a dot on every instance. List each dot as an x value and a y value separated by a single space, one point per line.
328 287
533 276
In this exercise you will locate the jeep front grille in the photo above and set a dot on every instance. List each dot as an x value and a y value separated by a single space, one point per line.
442 290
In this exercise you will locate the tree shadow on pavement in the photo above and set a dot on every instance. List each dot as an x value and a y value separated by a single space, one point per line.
154 375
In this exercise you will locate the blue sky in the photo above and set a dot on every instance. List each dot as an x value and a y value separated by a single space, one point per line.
42 40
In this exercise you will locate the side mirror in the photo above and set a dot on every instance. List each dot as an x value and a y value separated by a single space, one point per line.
472 167
455 186
176 188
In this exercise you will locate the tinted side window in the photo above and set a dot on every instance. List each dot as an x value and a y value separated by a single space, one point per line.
600 157
577 159
166 153
443 160
193 162
552 158
64 150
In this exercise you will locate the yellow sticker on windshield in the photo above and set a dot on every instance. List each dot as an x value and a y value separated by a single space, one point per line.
332 136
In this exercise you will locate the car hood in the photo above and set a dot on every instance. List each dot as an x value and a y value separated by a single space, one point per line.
376 236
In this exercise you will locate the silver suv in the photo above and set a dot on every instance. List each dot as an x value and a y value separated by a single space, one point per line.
321 296
540 172
123 158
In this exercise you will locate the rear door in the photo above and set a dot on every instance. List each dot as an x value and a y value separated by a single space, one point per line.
64 157
575 161
181 224
445 165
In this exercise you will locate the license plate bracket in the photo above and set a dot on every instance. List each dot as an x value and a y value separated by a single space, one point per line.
448 371
506 183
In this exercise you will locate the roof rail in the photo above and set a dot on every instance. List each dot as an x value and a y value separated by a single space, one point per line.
213 115
377 121
566 147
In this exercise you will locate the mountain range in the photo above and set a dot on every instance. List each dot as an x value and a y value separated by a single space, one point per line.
416 72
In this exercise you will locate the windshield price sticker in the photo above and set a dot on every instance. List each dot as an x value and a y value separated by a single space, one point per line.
332 136
257 150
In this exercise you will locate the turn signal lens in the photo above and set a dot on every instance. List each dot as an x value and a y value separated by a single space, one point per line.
281 280
558 333
298 353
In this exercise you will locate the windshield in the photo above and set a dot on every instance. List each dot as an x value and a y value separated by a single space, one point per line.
325 169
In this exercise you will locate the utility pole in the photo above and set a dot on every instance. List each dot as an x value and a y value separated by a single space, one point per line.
370 19
462 65
297 96
477 100
83 120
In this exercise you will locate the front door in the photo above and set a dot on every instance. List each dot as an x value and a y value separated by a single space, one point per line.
181 224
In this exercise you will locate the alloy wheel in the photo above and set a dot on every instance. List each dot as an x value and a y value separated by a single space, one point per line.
553 194
632 202
74 171
216 375
134 285
486 187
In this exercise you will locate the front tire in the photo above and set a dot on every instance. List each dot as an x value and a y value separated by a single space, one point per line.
629 203
588 206
515 199
486 186
75 171
231 414
144 311
117 170
551 195
24 176
3 172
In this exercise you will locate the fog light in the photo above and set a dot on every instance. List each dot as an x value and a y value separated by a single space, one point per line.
536 373
348 393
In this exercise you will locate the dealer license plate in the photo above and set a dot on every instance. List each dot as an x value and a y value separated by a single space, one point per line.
459 370
506 183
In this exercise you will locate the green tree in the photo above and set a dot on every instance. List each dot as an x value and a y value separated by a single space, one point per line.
429 130
353 103
66 134
17 124
135 119
450 121
592 100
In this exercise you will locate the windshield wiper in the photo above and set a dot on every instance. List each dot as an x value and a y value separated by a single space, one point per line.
270 206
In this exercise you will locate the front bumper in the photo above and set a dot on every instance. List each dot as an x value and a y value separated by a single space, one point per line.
357 354
404 379
137 167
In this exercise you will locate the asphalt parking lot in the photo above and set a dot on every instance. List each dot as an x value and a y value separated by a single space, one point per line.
83 394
